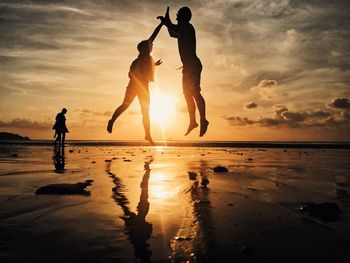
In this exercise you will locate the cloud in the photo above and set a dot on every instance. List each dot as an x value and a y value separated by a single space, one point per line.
345 115
43 8
319 114
279 111
26 124
74 53
267 89
340 103
238 121
267 83
293 119
250 105
91 112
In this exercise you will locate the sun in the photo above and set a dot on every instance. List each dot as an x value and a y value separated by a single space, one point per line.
162 108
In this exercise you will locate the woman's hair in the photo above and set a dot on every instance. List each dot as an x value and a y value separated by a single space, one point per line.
143 46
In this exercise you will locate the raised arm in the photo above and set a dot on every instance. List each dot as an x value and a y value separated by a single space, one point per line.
172 29
155 32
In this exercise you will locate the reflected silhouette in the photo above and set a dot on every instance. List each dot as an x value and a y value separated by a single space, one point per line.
196 232
58 159
137 228
200 196
60 128
192 66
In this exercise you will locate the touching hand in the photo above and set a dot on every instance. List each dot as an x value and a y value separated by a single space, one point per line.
158 62
162 19
165 19
167 14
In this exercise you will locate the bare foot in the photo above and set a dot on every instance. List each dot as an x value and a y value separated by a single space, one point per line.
149 139
110 126
204 127
191 127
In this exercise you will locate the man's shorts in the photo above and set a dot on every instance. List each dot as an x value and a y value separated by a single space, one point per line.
191 77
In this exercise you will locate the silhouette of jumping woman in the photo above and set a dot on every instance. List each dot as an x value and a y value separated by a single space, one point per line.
60 128
192 66
137 228
140 74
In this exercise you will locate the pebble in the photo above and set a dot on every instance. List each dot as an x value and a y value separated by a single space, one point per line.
326 211
179 238
192 175
202 202
220 169
205 182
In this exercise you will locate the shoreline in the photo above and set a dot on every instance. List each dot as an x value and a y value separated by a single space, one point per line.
223 144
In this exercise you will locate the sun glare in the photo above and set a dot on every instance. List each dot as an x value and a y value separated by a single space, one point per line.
162 108
159 186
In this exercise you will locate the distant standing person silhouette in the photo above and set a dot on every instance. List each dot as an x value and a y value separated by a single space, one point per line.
60 127
192 66
140 74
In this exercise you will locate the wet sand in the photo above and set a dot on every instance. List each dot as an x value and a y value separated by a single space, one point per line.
144 206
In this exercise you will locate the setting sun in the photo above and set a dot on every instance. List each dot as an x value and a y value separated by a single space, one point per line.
162 108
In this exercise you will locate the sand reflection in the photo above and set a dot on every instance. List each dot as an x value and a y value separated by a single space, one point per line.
58 159
194 240
137 229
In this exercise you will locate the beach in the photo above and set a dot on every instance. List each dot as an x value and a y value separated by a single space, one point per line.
167 204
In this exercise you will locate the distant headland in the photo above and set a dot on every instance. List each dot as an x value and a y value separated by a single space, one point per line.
12 136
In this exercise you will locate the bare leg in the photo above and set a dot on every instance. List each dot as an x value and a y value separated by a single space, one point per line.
58 139
116 114
63 138
191 107
146 125
144 100
201 108
128 98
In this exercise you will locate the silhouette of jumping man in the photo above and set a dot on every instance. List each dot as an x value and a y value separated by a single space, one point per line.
192 66
60 128
140 74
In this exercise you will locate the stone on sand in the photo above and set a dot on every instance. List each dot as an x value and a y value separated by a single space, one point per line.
220 169
65 189
326 211
192 175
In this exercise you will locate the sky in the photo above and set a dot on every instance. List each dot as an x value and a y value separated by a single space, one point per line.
272 70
